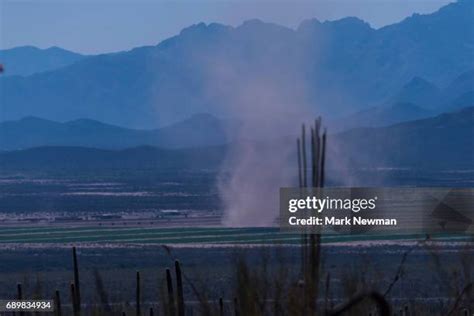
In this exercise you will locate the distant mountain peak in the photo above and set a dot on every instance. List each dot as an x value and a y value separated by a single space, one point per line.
32 119
34 49
308 24
202 28
193 28
57 49
419 91
82 121
458 5
252 22
461 88
257 25
458 11
386 115
349 21
28 60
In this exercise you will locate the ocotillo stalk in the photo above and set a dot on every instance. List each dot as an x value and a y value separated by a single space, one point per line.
76 279
300 174
323 160
236 307
179 289
169 285
312 281
326 293
309 279
317 268
300 183
19 295
303 143
313 157
137 297
317 153
221 307
57 302
316 240
312 251
305 235
75 310
19 292
305 182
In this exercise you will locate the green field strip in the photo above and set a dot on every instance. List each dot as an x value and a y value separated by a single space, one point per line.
276 240
8 230
198 240
192 235
134 238
27 230
296 239
104 231
155 234
204 238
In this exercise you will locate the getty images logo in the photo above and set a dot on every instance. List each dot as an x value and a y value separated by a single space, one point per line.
319 205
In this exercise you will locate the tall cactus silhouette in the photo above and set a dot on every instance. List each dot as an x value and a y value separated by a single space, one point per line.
179 289
75 310
19 295
221 307
76 279
311 243
169 286
57 304
137 296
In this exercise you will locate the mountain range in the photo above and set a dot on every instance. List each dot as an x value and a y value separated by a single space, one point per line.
197 131
444 142
417 99
335 68
82 158
28 60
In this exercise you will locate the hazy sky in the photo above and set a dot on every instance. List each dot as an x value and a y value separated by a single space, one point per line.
96 26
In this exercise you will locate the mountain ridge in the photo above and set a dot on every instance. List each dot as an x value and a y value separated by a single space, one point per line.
197 130
439 142
29 60
342 66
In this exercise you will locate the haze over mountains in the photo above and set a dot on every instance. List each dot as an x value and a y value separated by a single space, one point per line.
416 100
198 130
444 141
335 68
398 97
207 130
